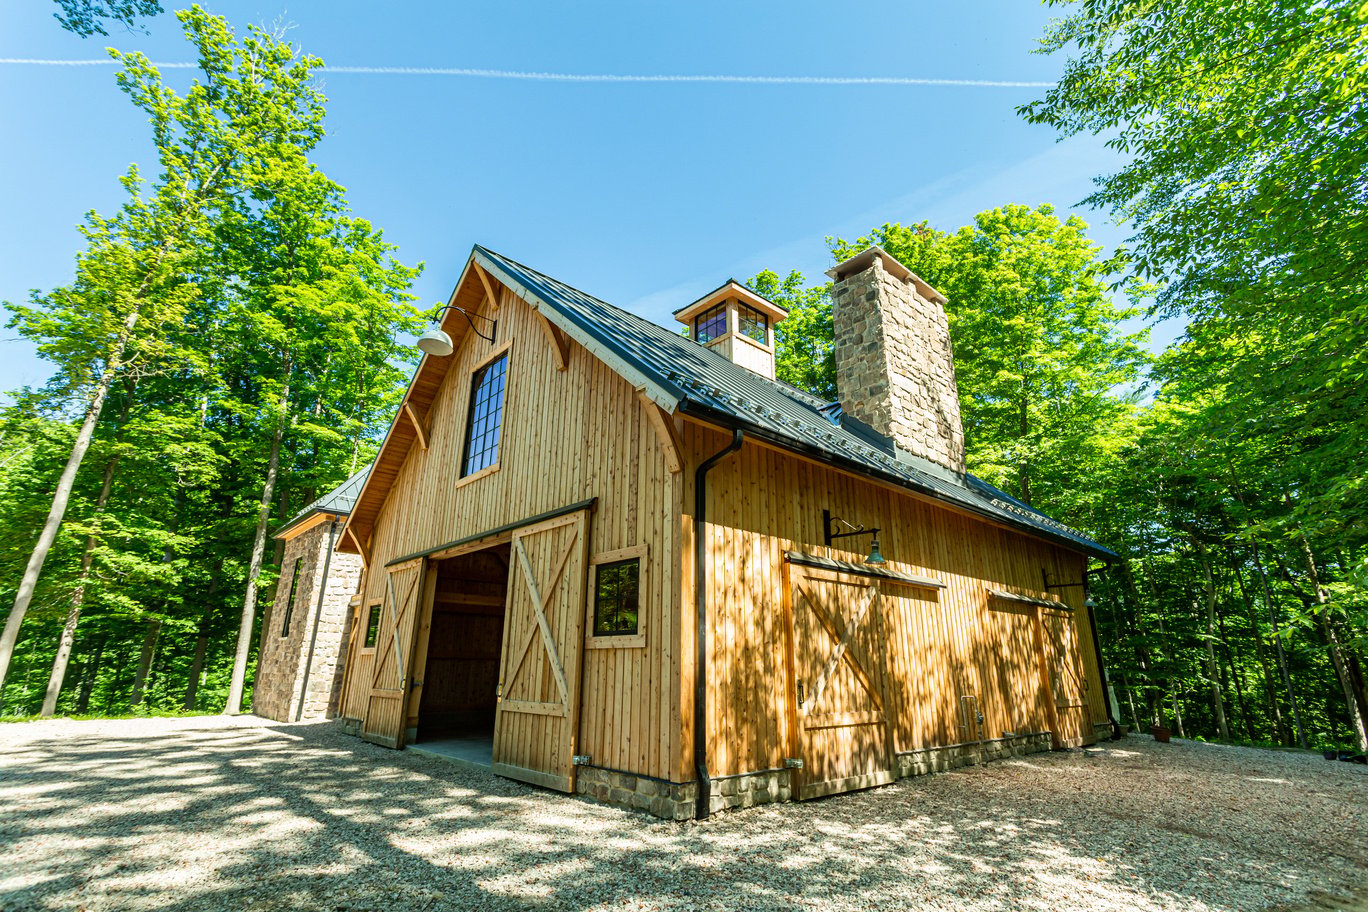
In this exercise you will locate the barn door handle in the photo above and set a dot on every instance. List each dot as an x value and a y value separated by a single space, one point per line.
800 693
498 691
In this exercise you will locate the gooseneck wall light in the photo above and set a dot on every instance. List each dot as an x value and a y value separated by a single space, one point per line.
437 343
831 526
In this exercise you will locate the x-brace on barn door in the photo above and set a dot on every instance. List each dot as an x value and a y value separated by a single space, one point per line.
537 722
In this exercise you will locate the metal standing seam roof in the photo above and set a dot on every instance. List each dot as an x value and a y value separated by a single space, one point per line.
680 374
339 500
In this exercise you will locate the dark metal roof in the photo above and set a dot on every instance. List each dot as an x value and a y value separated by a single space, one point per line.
699 381
339 500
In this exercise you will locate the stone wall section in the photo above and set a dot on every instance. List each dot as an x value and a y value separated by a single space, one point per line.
895 366
675 801
282 659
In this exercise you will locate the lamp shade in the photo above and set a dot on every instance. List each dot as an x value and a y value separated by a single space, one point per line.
874 556
435 342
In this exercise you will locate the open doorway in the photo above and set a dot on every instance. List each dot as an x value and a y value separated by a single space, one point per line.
457 707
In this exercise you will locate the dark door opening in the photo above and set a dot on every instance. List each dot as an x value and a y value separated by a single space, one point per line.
461 675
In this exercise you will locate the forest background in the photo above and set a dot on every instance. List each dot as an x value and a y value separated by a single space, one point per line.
228 350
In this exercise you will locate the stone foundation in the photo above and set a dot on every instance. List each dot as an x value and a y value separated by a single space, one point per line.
677 800
952 756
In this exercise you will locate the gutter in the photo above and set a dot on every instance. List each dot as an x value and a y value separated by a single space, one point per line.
318 616
726 420
701 809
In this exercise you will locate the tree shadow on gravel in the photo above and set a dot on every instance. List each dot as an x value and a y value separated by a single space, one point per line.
207 817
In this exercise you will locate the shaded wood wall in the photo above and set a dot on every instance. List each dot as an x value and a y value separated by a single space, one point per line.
940 644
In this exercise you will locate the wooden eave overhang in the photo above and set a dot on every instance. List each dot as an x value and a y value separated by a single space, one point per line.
307 522
731 289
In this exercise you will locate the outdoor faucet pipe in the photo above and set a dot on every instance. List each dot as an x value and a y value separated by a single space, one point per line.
701 623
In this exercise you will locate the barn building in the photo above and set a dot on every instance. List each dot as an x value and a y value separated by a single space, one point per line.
640 568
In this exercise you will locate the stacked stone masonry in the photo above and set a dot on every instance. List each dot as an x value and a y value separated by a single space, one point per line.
895 366
676 801
284 668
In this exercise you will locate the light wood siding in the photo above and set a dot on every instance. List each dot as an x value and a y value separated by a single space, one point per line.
567 436
940 644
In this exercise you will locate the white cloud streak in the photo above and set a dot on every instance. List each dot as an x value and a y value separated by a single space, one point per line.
598 77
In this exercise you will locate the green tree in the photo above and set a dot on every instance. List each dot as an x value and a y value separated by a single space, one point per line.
86 17
1040 358
804 353
159 292
1246 141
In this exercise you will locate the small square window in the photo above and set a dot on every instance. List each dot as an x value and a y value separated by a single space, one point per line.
711 324
373 625
753 323
617 598
294 590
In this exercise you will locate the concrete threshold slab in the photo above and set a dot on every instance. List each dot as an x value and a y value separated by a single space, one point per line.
473 753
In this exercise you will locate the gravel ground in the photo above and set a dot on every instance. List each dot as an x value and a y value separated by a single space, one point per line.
216 813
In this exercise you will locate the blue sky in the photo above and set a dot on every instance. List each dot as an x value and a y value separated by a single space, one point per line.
646 194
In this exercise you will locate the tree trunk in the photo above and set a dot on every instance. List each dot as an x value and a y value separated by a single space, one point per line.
1234 661
1356 702
1213 675
1280 733
61 497
149 649
1282 653
88 677
59 663
244 642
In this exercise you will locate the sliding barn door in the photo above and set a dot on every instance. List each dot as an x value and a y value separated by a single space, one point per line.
537 721
1068 686
391 670
836 645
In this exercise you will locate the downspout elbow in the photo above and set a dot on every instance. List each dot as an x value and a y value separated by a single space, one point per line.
704 802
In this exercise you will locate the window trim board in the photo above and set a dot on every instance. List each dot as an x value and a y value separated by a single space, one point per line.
637 640
499 352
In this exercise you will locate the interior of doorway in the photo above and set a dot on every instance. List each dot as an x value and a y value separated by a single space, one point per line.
461 675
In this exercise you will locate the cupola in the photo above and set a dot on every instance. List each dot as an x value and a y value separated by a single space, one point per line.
736 323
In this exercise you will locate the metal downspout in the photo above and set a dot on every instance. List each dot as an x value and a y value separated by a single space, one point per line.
318 615
701 810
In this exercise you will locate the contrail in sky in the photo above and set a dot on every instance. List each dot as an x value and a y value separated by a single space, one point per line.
598 77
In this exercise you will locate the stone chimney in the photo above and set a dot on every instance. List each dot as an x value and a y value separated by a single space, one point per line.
895 369
736 323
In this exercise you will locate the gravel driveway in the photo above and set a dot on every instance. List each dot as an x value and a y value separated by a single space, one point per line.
218 813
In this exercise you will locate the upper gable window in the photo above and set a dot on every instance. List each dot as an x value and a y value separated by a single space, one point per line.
486 416
711 324
753 323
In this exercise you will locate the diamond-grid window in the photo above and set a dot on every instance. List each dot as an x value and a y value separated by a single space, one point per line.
486 416
711 324
616 597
